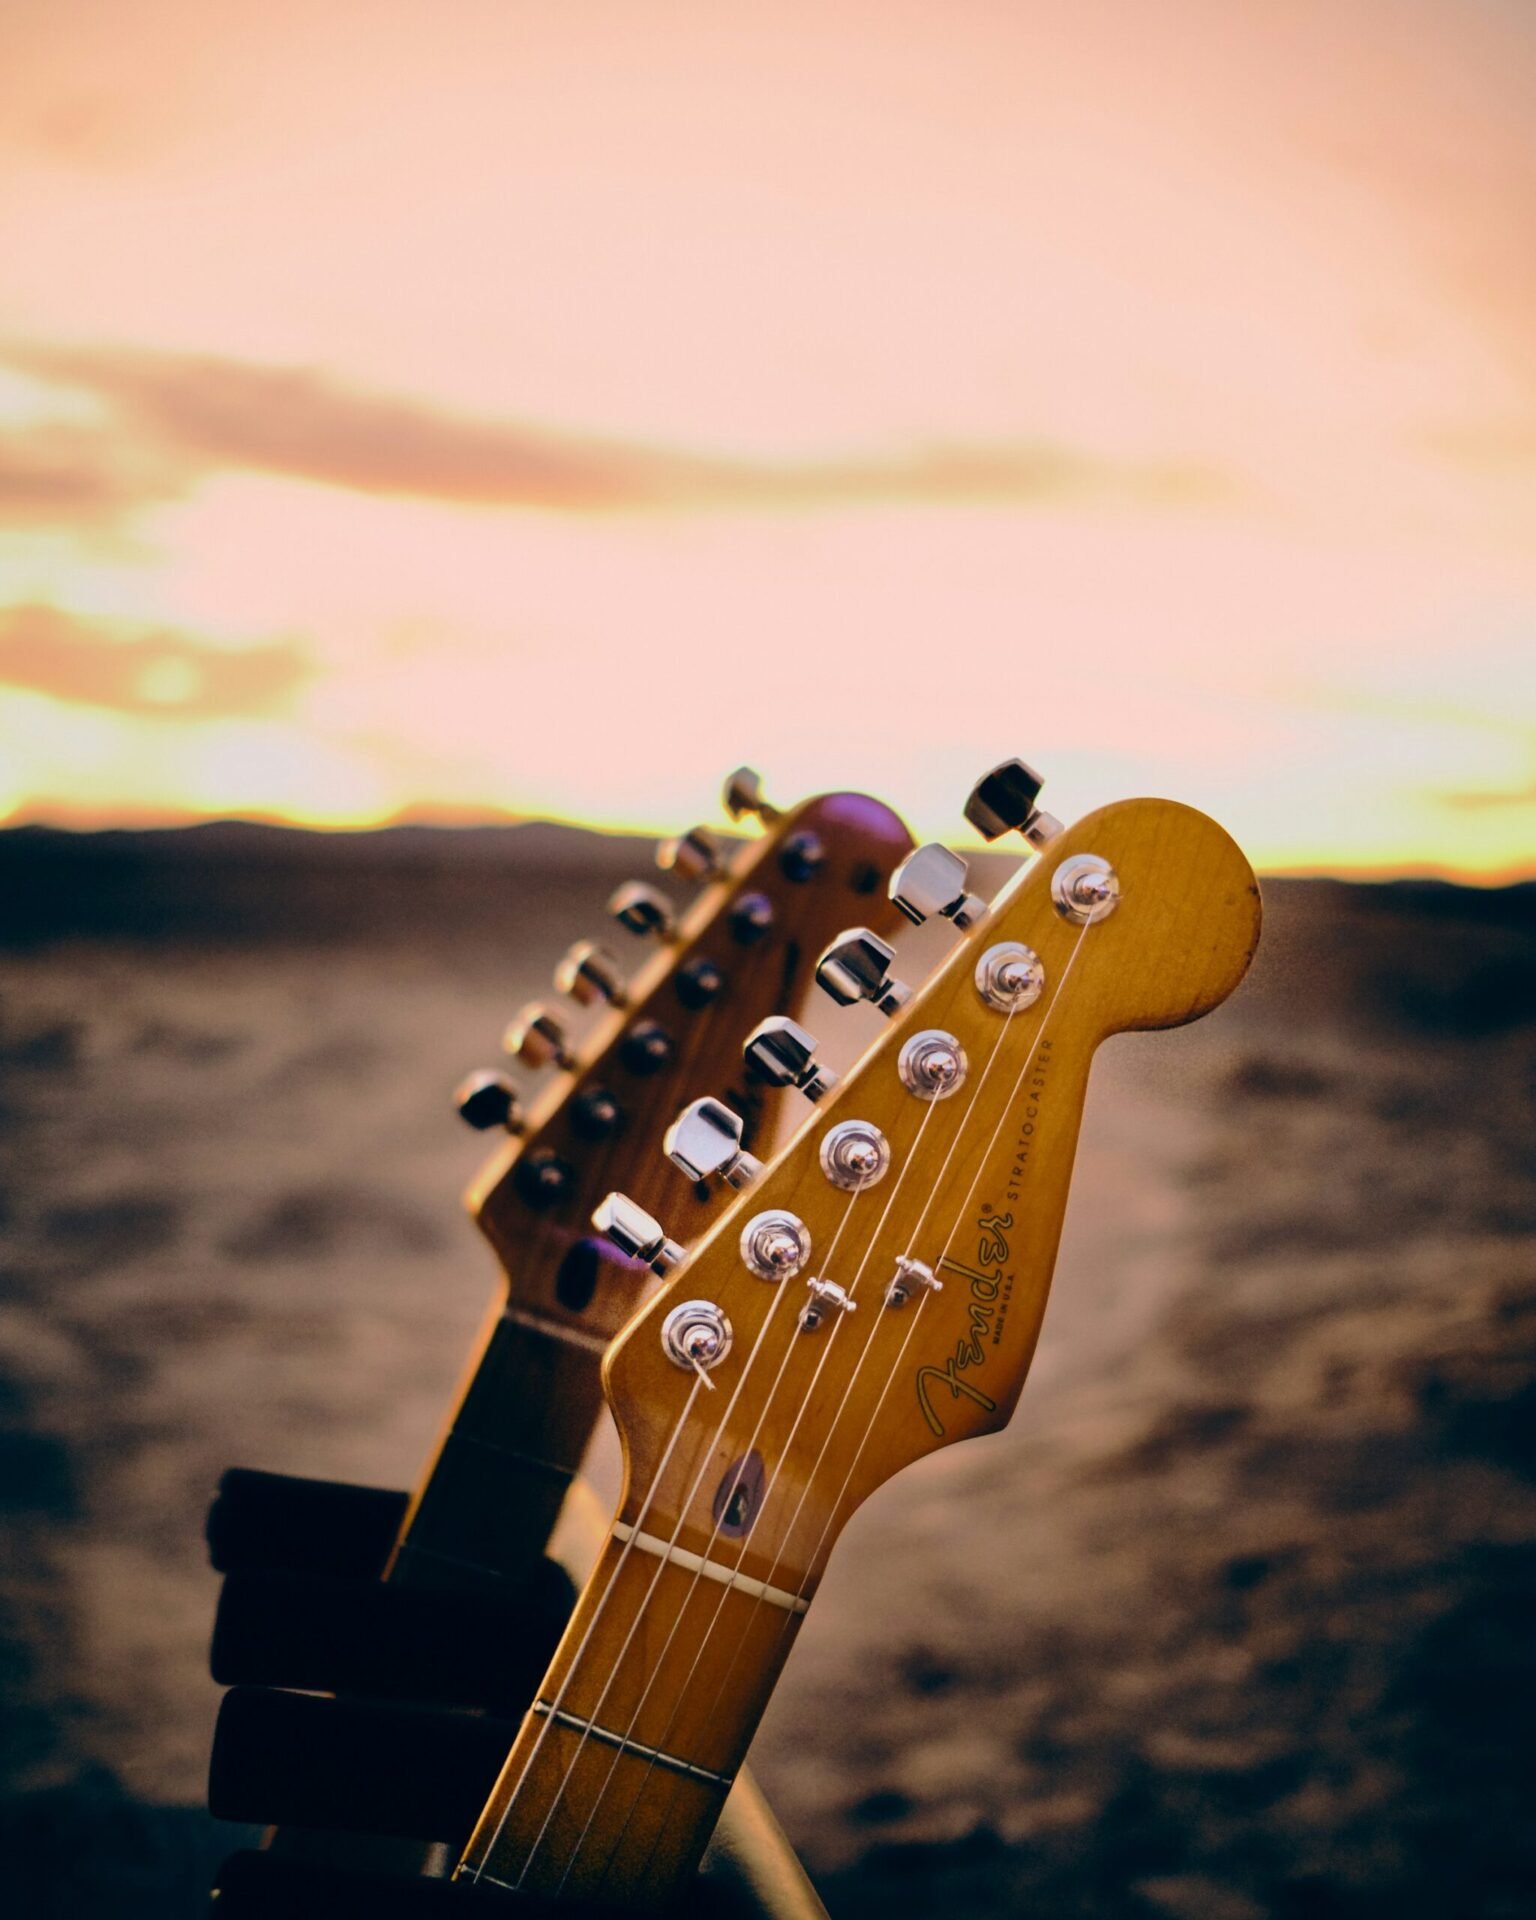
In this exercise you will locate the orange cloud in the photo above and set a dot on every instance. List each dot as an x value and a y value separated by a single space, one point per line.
44 650
63 474
304 424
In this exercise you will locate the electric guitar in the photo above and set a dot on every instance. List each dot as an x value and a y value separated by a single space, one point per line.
875 1294
743 949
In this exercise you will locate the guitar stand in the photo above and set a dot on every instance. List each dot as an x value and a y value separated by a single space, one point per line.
432 1688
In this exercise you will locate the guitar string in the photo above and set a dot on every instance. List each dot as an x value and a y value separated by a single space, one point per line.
479 1869
790 1351
893 1373
662 1563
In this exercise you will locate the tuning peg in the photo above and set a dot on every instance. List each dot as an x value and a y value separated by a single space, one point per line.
589 973
643 909
932 880
744 794
857 966
696 855
705 1138
486 1100
699 983
780 1052
634 1232
1006 801
751 919
537 1037
802 856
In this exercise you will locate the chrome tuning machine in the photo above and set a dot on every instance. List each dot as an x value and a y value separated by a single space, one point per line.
635 1233
486 1100
857 966
643 909
696 855
589 973
781 1052
931 881
705 1139
537 1038
1006 800
743 794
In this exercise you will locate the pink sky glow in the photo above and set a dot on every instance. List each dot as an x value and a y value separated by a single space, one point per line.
540 408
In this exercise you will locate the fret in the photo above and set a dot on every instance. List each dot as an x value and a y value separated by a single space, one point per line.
489 1501
673 1678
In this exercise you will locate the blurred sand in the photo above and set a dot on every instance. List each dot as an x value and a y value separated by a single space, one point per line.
1234 1620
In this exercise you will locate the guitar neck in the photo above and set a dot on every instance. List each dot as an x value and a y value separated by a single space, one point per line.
624 1761
486 1507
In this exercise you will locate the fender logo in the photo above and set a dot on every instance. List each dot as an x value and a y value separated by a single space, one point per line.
991 1251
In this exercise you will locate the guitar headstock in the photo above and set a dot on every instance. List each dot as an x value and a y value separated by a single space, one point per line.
879 1291
709 969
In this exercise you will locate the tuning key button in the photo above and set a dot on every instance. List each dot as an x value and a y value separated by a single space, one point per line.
543 1179
487 1100
589 973
643 909
855 1154
698 983
752 919
647 1047
633 1231
705 1139
775 1244
1010 976
802 857
696 855
1006 800
595 1114
537 1038
857 966
781 1052
744 794
827 1298
932 881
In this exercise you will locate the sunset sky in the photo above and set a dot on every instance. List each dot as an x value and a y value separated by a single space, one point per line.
489 407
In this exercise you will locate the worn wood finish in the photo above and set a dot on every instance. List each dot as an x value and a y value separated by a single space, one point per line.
657 1687
484 1509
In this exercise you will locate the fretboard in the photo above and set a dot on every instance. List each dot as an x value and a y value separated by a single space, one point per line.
487 1505
624 1760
